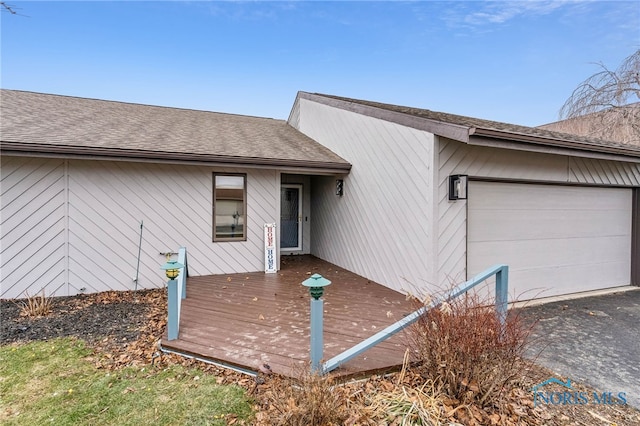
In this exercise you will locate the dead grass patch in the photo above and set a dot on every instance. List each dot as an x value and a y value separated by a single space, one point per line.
305 400
35 306
420 405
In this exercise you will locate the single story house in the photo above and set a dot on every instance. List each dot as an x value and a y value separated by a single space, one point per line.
82 179
413 199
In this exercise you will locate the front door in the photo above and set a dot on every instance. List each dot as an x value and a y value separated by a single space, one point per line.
291 217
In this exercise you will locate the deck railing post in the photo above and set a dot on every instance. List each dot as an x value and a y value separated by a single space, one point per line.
172 270
172 307
502 285
316 284
182 258
317 342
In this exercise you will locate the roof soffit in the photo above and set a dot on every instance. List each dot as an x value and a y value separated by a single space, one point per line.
94 153
548 149
490 137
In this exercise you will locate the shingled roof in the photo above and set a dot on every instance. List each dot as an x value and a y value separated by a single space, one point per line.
65 125
471 130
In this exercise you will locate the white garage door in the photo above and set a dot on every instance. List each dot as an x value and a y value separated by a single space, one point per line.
555 239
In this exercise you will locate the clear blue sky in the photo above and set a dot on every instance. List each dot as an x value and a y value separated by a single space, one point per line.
508 61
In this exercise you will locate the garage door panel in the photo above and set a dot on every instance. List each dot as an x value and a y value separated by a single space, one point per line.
527 254
527 197
526 284
534 224
557 239
545 282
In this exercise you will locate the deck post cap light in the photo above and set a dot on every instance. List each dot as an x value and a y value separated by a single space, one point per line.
316 284
172 269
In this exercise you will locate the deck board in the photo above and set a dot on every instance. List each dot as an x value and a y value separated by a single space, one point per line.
245 320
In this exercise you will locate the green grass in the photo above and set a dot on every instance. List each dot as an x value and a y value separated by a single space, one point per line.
54 383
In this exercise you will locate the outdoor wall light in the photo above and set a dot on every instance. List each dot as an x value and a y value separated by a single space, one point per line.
340 187
458 187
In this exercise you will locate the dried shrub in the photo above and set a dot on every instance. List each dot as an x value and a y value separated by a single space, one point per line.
463 349
307 400
35 306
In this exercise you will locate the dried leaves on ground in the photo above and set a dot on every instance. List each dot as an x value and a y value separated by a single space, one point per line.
123 328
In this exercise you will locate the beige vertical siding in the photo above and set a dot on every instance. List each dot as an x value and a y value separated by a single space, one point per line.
32 227
106 203
381 227
459 158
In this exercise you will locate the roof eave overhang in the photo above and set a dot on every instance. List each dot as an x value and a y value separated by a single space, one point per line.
448 130
97 153
483 136
521 142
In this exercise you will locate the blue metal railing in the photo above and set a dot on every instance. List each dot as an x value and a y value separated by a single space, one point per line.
176 291
502 282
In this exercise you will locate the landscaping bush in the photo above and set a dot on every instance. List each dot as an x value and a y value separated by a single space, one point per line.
464 351
307 400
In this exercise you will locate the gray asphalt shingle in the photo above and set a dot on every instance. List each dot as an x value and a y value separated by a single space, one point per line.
66 122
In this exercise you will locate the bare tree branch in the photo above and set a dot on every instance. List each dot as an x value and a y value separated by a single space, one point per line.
605 105
8 8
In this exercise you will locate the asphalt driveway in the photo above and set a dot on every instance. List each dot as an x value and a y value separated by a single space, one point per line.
594 340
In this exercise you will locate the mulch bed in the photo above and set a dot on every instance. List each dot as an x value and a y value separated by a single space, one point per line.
121 316
124 329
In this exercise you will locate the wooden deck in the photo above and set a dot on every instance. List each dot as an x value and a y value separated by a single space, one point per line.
244 320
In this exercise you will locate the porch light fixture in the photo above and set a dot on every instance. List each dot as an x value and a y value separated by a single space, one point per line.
172 269
340 187
458 187
316 284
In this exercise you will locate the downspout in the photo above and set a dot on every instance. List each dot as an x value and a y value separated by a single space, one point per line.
635 238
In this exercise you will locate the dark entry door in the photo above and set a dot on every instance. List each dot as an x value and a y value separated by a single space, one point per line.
290 217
